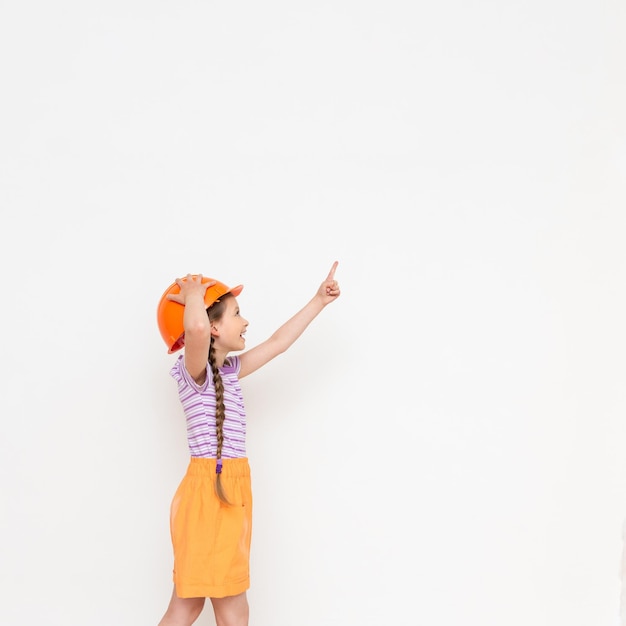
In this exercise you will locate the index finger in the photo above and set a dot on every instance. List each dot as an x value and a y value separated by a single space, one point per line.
331 274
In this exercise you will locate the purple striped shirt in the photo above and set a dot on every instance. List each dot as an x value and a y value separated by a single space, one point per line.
199 407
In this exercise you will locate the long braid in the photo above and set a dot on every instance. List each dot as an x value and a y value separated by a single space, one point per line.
220 414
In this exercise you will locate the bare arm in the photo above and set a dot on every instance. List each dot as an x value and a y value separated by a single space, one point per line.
196 324
287 334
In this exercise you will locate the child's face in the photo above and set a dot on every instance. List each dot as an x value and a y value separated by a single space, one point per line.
231 327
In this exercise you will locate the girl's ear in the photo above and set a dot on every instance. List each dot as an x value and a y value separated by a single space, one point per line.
214 331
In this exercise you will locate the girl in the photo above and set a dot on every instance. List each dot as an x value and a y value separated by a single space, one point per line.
211 513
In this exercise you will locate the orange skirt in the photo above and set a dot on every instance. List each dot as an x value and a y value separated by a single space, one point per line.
211 540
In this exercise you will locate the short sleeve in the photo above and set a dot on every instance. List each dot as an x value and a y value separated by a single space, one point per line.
233 367
180 374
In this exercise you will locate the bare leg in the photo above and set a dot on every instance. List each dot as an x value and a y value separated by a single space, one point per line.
182 611
231 611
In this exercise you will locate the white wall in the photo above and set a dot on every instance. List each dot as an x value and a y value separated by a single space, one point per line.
445 444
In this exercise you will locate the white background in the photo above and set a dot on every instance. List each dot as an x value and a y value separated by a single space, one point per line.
445 444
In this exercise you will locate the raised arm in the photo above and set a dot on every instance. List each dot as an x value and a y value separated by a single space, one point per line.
196 324
287 334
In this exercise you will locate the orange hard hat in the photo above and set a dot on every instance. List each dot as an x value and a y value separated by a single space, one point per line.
170 313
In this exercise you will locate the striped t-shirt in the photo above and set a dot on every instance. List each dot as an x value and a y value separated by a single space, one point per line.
199 407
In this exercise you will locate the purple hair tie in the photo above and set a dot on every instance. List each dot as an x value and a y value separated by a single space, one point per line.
218 467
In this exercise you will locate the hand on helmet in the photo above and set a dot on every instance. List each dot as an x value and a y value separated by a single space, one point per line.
190 285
